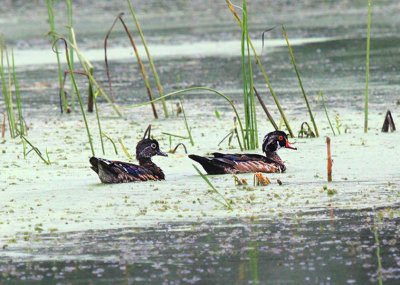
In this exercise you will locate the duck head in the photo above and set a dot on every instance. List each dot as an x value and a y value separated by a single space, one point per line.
274 141
147 147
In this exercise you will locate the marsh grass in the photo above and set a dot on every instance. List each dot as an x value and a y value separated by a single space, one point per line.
19 106
124 149
86 65
153 68
185 91
46 159
78 95
112 142
50 12
71 51
186 123
98 120
300 81
367 68
251 141
321 94
378 251
139 60
224 202
232 9
7 89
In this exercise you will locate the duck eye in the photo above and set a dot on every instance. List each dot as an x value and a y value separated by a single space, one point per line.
153 145
280 138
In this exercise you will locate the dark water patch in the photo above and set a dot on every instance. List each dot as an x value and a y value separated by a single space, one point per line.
291 250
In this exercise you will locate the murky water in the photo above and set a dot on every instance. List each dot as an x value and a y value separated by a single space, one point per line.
59 225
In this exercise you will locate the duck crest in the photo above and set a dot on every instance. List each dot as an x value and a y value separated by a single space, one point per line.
121 172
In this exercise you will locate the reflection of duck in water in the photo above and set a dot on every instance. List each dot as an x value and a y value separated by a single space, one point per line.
243 163
121 172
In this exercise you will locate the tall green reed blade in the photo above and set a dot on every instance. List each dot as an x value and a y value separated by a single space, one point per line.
137 57
367 68
49 4
85 63
326 111
186 123
159 86
225 202
90 92
98 120
248 95
7 92
46 161
300 82
193 89
111 140
71 52
78 95
262 70
19 106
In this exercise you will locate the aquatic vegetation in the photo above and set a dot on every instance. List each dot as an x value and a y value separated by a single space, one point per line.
251 137
78 94
139 60
240 181
388 123
300 82
321 94
232 9
124 149
199 88
306 131
266 110
111 140
176 147
186 123
7 90
260 180
49 5
367 68
37 151
328 145
224 202
153 68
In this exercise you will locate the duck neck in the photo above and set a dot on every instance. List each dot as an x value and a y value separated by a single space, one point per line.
150 165
145 161
273 155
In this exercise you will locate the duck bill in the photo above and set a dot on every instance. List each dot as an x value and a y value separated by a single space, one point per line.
161 153
288 145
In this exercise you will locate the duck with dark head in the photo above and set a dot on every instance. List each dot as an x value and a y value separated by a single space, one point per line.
122 172
221 163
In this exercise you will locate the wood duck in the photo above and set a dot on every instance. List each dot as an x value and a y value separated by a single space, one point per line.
122 172
221 163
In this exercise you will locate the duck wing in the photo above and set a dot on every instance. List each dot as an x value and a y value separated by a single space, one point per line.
120 172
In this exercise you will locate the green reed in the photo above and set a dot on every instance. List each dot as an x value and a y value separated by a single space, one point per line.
378 250
50 12
321 94
251 141
193 89
225 202
7 89
78 95
186 123
124 149
141 66
86 65
367 68
111 140
153 68
71 52
45 160
19 106
300 82
98 119
262 70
